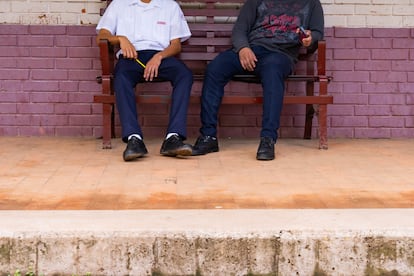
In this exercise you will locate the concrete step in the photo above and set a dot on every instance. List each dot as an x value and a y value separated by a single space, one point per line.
209 242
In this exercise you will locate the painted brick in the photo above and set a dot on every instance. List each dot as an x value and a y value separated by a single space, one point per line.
352 54
353 32
35 63
74 63
410 76
87 86
402 65
36 131
41 74
380 87
85 120
9 131
64 108
383 76
387 99
14 29
360 76
345 110
44 86
351 99
18 74
35 108
35 40
80 98
376 110
227 120
343 43
403 133
406 88
156 120
342 65
8 63
352 88
341 132
43 97
68 86
373 43
82 75
50 30
403 43
8 40
82 52
49 52
393 54
81 30
14 51
14 120
7 108
42 120
73 41
374 65
403 110
386 121
372 133
409 122
349 121
391 32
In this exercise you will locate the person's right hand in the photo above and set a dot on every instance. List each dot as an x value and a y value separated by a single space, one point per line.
128 50
247 59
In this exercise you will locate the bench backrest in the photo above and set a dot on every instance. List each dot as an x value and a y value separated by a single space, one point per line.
211 23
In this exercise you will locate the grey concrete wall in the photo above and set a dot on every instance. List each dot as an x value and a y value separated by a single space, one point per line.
208 242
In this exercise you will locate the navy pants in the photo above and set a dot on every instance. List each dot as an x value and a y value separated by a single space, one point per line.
128 73
272 67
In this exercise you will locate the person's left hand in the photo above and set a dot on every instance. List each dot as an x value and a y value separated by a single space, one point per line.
151 69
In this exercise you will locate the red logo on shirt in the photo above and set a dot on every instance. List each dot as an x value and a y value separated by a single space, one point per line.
161 22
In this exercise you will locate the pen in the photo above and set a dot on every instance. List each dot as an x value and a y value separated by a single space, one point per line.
140 63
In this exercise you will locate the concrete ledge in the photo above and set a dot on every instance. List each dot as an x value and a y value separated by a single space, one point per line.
209 242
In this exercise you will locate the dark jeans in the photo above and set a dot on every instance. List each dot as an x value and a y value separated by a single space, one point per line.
272 68
128 73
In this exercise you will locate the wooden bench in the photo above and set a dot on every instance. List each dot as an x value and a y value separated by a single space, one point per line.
211 22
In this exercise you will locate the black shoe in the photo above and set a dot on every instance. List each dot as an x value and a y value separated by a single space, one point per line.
266 150
205 144
174 146
135 149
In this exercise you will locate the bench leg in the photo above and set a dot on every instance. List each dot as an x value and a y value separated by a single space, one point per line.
310 111
323 132
107 125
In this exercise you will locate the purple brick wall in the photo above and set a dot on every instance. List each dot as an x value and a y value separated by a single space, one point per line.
47 83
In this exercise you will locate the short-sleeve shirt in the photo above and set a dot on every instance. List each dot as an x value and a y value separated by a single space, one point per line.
148 26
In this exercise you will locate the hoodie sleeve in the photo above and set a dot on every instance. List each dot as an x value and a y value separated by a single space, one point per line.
316 22
243 25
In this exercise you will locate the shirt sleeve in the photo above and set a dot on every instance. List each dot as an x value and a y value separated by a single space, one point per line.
243 25
179 26
316 22
108 19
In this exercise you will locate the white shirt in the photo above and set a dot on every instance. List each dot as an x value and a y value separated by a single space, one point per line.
148 26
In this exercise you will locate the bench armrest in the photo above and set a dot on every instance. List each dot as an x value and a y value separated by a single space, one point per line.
107 56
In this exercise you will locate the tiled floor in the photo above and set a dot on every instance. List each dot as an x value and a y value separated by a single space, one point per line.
40 173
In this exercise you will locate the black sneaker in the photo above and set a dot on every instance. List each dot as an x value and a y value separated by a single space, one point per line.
266 150
174 146
205 144
135 149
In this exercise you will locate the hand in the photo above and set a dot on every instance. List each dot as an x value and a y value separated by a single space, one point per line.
247 59
128 50
151 69
307 41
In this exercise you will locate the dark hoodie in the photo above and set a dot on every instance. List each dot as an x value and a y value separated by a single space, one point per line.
273 23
